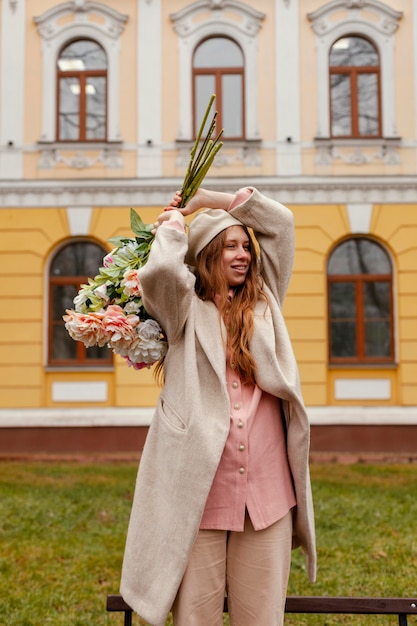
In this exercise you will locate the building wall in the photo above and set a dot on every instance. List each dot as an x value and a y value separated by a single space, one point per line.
50 192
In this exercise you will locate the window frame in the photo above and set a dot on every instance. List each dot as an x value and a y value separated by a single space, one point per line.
354 71
82 76
359 281
80 362
218 73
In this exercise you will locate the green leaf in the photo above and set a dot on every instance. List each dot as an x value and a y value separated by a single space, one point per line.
137 225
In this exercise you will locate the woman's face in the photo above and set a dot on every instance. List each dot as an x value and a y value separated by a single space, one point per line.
236 256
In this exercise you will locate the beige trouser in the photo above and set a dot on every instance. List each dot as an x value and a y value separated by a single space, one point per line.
251 566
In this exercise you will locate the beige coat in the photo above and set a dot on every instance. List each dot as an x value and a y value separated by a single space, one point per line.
191 421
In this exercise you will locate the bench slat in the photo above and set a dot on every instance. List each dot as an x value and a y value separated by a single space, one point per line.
321 604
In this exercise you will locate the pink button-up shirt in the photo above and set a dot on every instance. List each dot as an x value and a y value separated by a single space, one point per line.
253 473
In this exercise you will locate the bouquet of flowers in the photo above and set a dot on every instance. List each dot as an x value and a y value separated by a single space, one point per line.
109 309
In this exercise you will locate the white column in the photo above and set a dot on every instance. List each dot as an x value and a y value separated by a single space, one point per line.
414 56
12 80
149 85
288 88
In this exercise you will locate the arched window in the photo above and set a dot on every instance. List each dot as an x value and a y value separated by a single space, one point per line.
355 107
82 92
218 68
70 268
360 303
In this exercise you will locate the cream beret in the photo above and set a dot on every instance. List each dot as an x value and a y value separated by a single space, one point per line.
204 227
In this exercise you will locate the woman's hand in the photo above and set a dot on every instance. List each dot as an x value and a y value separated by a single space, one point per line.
202 199
169 215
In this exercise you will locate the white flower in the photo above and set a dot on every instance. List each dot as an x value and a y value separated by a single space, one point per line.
132 307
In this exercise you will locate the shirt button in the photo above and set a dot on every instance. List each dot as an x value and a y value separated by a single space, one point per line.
236 406
242 470
235 384
241 447
240 424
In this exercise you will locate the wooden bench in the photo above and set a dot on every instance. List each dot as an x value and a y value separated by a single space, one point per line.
402 607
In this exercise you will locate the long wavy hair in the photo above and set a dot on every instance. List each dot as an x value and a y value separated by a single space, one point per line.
237 312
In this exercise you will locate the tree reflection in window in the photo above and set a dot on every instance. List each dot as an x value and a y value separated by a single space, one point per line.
218 67
82 92
71 267
360 303
354 88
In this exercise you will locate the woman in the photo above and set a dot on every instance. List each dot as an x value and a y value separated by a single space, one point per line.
223 489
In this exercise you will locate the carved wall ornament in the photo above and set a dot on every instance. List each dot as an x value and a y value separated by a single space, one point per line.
323 19
50 157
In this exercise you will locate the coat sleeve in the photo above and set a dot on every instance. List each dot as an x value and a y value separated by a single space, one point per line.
167 284
273 226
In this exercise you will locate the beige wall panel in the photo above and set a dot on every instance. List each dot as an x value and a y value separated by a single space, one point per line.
305 307
111 222
388 220
406 282
408 329
312 372
407 260
170 76
20 333
21 308
310 350
32 230
313 283
21 375
315 394
314 238
309 261
139 395
321 214
308 80
21 286
408 351
26 239
128 80
405 239
363 374
409 373
404 70
18 353
21 396
267 51
409 395
313 329
25 263
407 306
71 377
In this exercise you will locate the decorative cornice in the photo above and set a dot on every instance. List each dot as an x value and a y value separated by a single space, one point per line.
155 191
322 20
50 22
185 22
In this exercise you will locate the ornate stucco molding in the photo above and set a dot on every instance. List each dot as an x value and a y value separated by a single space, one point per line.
385 18
52 22
51 157
154 191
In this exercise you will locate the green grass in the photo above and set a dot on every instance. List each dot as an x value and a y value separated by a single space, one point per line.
63 525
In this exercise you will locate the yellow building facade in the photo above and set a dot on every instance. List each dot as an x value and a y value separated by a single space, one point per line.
99 103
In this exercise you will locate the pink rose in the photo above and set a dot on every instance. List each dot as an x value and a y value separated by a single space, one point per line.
131 283
119 328
86 327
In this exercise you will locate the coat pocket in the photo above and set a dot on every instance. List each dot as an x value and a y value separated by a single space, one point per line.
171 417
